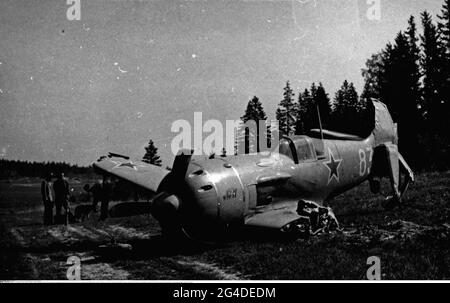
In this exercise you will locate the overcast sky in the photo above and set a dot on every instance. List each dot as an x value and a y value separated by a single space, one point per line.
74 90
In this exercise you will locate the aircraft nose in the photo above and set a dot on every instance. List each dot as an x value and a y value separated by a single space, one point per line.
165 205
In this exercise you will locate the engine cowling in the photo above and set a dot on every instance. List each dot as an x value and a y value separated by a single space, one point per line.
217 197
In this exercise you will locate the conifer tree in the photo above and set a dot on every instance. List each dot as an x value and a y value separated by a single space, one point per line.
444 44
285 113
346 107
432 63
320 99
255 112
151 154
300 115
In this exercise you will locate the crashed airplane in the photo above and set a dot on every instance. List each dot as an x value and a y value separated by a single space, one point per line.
289 190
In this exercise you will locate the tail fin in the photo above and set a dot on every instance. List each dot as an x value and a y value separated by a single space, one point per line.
385 130
387 161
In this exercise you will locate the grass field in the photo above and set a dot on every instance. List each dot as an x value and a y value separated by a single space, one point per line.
412 242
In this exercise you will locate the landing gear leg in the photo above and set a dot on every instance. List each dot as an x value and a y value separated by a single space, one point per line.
397 166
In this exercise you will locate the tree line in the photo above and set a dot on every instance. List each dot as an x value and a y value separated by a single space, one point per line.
410 75
11 169
16 169
297 115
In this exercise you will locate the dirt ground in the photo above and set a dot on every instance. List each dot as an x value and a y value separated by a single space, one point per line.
412 242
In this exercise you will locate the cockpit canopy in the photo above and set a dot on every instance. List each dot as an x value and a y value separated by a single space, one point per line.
301 148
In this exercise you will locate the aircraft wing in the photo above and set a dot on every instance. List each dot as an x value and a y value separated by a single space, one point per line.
274 217
140 173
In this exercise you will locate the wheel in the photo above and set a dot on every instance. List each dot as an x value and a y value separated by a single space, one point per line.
375 186
390 203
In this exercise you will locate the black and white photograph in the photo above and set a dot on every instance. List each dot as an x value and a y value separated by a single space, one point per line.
224 141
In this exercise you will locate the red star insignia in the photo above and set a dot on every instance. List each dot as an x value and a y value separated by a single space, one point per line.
126 164
333 166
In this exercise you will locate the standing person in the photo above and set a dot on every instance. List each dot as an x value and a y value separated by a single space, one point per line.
96 191
47 199
107 190
61 188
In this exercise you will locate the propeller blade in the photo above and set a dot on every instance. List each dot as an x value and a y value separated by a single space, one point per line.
180 164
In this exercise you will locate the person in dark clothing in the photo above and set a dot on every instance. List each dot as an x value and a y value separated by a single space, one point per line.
61 188
96 192
107 190
47 199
